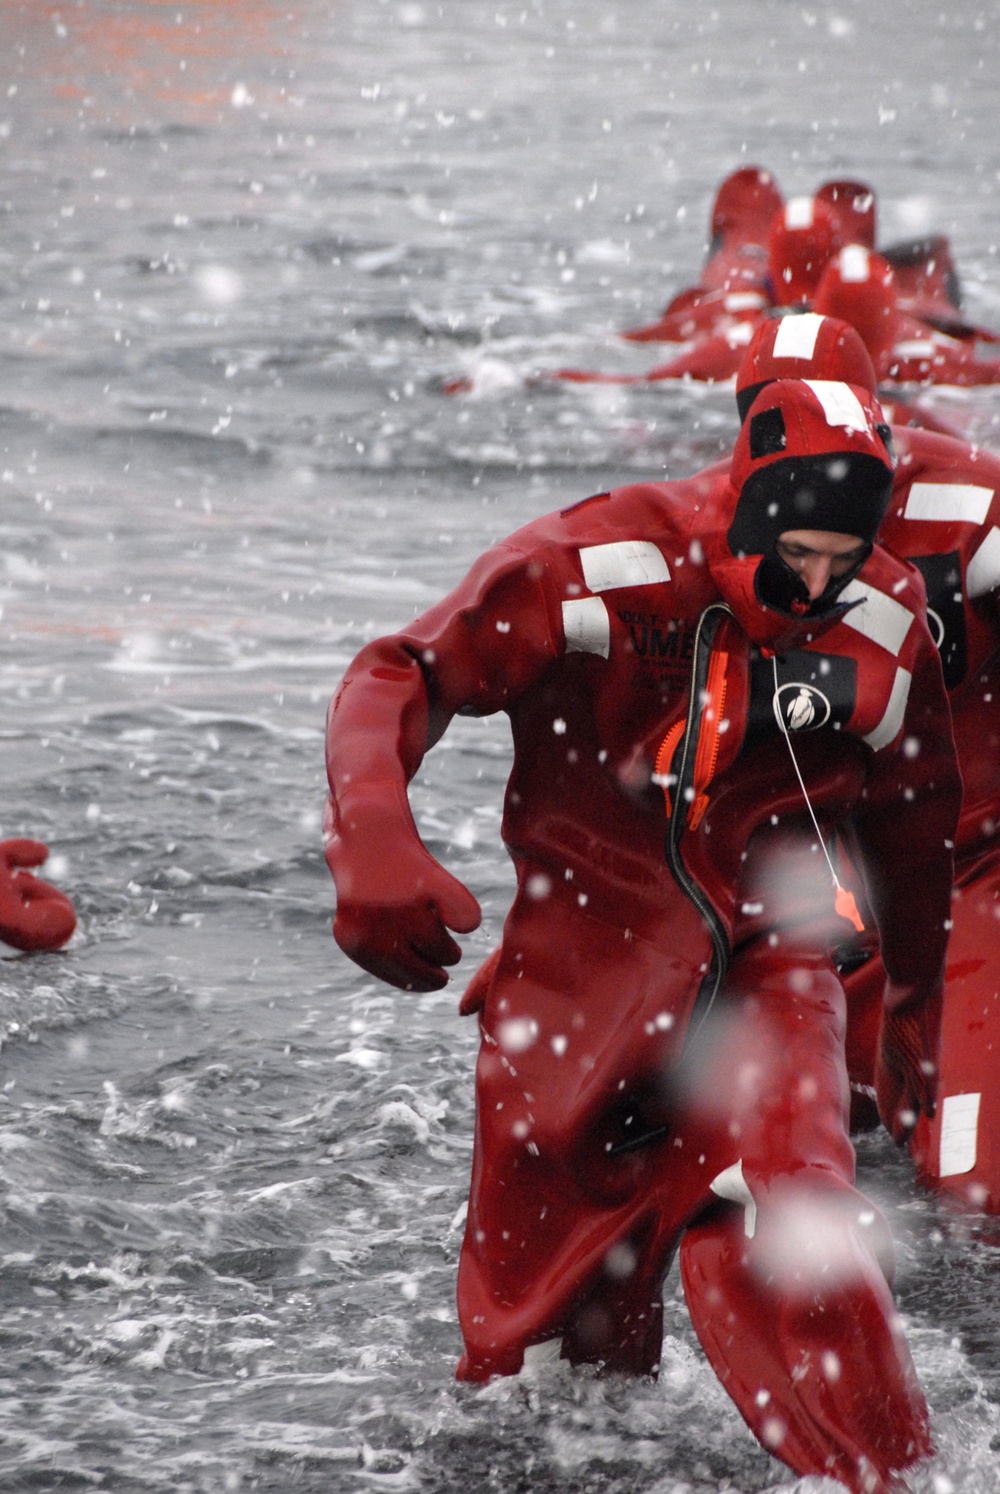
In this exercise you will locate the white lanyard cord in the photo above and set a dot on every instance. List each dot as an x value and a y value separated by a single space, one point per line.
776 706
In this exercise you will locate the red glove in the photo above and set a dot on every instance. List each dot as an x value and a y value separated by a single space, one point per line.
395 903
33 915
906 1065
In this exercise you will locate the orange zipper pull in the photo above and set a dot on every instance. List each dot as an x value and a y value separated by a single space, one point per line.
845 905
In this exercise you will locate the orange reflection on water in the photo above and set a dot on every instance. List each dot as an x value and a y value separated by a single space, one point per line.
187 60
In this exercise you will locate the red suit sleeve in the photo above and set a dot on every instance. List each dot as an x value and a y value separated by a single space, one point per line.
473 653
904 833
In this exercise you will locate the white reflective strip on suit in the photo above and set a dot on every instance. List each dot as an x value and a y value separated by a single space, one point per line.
888 728
587 626
877 616
623 563
948 502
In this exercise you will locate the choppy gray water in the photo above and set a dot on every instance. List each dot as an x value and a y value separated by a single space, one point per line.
243 245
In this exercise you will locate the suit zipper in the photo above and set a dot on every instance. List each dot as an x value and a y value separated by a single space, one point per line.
709 990
687 746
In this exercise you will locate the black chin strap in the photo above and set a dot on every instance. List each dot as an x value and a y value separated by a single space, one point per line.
784 590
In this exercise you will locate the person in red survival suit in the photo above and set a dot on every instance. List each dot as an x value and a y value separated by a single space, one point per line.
802 239
945 518
856 288
734 278
662 1054
925 277
33 914
859 287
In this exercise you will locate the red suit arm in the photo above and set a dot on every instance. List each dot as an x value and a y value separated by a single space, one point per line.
472 653
33 914
712 358
904 833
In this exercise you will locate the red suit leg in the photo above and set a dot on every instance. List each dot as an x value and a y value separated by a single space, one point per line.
570 1229
958 1152
788 1294
566 1237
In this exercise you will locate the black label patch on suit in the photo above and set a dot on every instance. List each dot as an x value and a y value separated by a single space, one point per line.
813 690
945 612
767 434
661 646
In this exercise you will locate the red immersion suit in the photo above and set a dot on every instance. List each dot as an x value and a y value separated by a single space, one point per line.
662 1056
907 346
944 517
764 252
803 240
820 253
859 287
734 279
33 914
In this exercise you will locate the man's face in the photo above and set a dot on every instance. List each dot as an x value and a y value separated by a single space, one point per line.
820 555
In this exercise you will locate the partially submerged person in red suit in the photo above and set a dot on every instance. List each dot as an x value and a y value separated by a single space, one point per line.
803 237
662 1056
808 253
945 518
734 278
856 285
33 914
803 240
764 252
859 286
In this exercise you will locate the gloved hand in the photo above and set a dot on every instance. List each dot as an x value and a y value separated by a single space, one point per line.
33 914
395 903
906 1065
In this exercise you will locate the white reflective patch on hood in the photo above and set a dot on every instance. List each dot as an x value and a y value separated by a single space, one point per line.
799 212
841 405
854 264
623 563
877 616
890 725
796 336
948 502
587 626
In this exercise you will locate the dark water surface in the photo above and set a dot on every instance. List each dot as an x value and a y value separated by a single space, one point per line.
243 245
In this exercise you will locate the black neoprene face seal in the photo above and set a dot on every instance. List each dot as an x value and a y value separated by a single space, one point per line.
783 590
845 492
